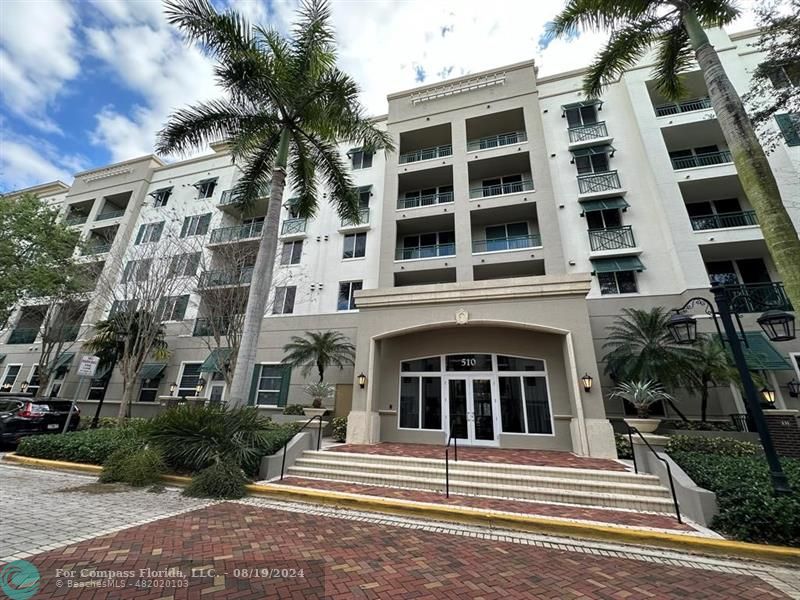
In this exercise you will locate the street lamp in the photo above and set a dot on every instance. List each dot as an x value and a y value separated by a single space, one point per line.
768 395
587 382
794 388
777 325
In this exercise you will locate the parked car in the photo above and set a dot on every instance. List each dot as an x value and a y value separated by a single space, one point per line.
22 415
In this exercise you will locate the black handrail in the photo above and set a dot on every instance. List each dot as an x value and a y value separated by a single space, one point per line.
631 431
453 439
319 440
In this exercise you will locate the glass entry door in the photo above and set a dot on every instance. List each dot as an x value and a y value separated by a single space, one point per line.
471 410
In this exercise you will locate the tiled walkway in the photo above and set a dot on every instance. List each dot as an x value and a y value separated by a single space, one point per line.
542 458
618 517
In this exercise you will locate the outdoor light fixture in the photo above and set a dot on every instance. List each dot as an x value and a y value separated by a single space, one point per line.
683 328
24 387
172 387
6 387
794 388
587 382
768 394
201 383
778 325
362 380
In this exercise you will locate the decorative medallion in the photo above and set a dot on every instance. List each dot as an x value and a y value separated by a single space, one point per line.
462 316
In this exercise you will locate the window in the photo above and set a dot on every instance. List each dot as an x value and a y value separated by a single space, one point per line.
346 291
507 184
136 270
190 377
291 252
97 388
428 245
420 402
783 76
173 308
33 380
272 385
364 194
603 219
506 237
621 282
361 159
10 377
427 197
161 197
581 115
149 390
195 225
284 300
205 188
149 232
122 306
790 127
594 163
524 405
184 265
355 245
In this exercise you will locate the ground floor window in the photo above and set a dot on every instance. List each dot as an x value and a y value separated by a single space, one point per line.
524 405
97 388
272 384
33 381
10 377
621 282
421 402
190 377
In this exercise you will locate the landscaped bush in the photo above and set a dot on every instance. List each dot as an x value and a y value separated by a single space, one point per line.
92 446
140 468
293 409
698 425
223 479
712 445
624 449
339 429
108 422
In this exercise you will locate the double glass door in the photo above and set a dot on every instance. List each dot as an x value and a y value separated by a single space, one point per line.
471 410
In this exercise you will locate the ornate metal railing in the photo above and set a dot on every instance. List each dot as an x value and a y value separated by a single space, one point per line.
495 141
702 160
426 153
675 108
425 251
753 297
112 214
722 221
363 219
291 226
426 200
236 233
500 189
611 238
598 182
23 336
220 278
743 422
514 242
582 133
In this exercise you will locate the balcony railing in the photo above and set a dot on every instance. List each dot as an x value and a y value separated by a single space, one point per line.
23 336
425 252
93 248
220 278
675 108
722 221
611 238
292 226
227 198
237 233
363 219
76 220
598 182
426 153
514 242
427 200
205 327
582 133
111 214
758 297
495 141
500 189
702 160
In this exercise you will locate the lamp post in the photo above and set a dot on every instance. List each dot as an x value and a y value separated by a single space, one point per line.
777 325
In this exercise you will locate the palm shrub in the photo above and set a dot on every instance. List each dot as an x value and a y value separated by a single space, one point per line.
641 394
320 350
319 392
140 468
223 479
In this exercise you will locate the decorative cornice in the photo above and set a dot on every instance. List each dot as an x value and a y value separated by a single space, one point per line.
105 173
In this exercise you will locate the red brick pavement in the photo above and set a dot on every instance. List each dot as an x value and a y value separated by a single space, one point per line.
541 458
342 560
619 517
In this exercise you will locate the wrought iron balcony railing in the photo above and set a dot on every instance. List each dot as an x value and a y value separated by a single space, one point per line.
426 153
674 108
582 133
702 160
76 220
598 182
220 278
496 141
500 189
433 251
111 214
93 248
611 238
292 226
426 200
514 242
725 220
363 219
227 198
23 335
758 297
237 233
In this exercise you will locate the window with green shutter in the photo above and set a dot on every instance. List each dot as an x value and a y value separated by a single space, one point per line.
270 385
790 128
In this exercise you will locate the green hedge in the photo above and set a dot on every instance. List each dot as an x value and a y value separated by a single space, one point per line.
721 446
293 409
91 446
623 446
339 429
698 425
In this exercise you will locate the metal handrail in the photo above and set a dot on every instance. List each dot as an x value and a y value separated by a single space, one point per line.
453 439
286 445
631 431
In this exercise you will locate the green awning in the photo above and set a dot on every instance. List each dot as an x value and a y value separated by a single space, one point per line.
603 204
592 150
616 265
761 355
206 180
64 360
2 357
566 107
152 370
365 188
215 363
103 370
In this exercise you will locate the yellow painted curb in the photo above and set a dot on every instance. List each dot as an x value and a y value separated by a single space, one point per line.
471 516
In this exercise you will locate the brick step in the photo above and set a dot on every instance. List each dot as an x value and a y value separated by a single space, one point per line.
458 471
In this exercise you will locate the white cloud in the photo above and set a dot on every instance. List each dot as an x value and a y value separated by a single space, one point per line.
27 161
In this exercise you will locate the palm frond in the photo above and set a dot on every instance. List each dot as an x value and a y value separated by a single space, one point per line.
220 34
598 15
336 175
673 57
303 178
715 13
196 126
313 40
257 169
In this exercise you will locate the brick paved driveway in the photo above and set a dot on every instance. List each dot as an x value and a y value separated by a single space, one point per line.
322 553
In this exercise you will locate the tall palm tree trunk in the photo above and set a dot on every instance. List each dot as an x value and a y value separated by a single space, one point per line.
261 282
751 163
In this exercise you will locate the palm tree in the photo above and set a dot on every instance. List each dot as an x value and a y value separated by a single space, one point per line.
675 29
320 349
286 105
711 365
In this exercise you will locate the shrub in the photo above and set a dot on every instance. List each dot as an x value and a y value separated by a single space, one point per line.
108 422
712 445
223 479
272 441
139 469
623 446
293 409
92 446
339 429
698 425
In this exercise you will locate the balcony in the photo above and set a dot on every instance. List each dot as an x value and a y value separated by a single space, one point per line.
204 327
745 218
702 160
599 182
501 189
93 248
237 233
69 333
211 279
426 200
518 242
76 220
426 154
676 108
496 141
758 297
611 238
23 336
294 226
111 214
363 220
417 252
587 133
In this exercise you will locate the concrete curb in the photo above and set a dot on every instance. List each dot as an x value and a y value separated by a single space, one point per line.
484 518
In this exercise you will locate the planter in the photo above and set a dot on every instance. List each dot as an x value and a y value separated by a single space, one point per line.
313 412
644 425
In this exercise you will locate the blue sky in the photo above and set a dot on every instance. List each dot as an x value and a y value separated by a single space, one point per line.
83 84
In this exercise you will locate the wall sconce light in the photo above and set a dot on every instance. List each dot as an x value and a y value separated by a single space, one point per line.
587 382
362 380
6 387
24 387
794 388
172 387
201 383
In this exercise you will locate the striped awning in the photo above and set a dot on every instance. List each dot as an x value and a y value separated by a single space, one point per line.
581 104
215 363
617 264
592 150
63 360
603 204
152 370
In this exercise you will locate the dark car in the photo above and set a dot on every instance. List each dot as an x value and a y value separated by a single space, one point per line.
22 415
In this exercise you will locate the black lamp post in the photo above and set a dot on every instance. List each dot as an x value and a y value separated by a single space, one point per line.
778 326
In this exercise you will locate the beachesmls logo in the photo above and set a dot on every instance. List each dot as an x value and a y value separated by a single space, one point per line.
19 580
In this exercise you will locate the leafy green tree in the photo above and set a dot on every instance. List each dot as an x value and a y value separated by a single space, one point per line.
320 349
675 29
287 106
711 365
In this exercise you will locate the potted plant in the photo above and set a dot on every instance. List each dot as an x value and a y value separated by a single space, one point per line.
642 395
319 392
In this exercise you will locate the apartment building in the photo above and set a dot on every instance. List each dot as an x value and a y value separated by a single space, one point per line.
512 226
